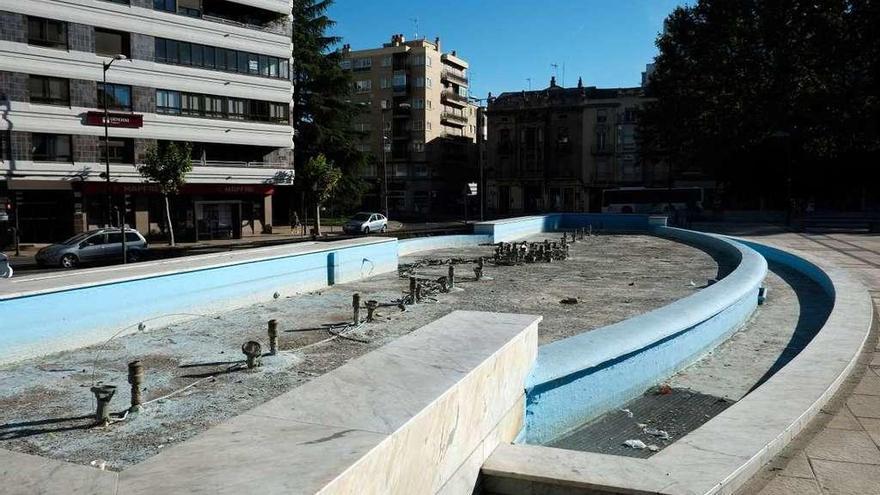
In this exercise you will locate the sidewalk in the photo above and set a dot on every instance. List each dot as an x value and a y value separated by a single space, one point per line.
840 452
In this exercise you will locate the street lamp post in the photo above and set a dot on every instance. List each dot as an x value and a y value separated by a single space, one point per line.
107 154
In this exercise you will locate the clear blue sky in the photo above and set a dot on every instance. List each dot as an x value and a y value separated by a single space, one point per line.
606 42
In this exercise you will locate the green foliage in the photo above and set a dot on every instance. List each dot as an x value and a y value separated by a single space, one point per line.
739 85
323 110
167 166
320 179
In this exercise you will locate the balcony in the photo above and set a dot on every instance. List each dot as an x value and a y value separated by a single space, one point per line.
228 13
454 76
237 164
453 119
454 99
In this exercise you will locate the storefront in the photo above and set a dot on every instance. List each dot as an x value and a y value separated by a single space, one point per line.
198 211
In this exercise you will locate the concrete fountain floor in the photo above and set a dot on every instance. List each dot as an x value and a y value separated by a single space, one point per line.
46 405
778 330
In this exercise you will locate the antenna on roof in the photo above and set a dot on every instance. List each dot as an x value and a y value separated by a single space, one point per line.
416 23
556 70
529 79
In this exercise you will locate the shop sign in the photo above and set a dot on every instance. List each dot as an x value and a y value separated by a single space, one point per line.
124 120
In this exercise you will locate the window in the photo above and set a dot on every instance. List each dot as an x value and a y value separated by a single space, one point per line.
208 57
191 8
363 86
166 5
601 115
399 80
49 90
419 82
215 107
427 126
417 60
191 104
121 150
418 146
111 43
132 237
384 83
237 109
418 103
427 60
51 147
428 83
418 125
345 64
429 105
167 102
363 63
47 32
386 61
118 96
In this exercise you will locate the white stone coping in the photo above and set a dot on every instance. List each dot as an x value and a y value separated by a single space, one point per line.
419 415
62 281
725 452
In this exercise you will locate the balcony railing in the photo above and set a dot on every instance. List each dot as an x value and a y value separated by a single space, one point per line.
454 118
453 76
454 98
242 164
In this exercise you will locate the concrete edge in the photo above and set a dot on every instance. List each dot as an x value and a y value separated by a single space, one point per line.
720 456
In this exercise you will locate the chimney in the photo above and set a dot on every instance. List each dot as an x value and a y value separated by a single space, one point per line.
402 38
437 43
453 53
580 83
552 81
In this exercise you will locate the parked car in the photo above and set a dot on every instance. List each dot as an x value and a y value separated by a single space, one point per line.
95 246
365 222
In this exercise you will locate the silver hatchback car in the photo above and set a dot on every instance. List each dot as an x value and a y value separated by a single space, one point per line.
365 223
95 246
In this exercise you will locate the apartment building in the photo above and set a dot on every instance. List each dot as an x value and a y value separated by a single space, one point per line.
556 149
419 121
213 73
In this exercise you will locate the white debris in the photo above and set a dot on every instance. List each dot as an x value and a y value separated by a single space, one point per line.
635 444
692 284
99 463
641 425
653 448
654 432
629 413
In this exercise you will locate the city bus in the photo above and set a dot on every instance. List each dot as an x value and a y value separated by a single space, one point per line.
651 200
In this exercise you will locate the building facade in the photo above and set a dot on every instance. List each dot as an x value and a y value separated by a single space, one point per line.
419 121
557 149
213 73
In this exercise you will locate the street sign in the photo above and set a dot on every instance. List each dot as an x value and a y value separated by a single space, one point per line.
472 189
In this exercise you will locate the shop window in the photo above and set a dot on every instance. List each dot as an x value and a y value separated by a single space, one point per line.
51 147
167 101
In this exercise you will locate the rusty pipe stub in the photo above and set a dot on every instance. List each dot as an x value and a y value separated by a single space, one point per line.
356 308
273 336
136 379
103 394
371 306
254 353
451 277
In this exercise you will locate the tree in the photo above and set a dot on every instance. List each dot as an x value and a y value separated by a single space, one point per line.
759 93
320 178
323 112
167 166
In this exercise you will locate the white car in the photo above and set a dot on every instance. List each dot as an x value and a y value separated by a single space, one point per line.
365 223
